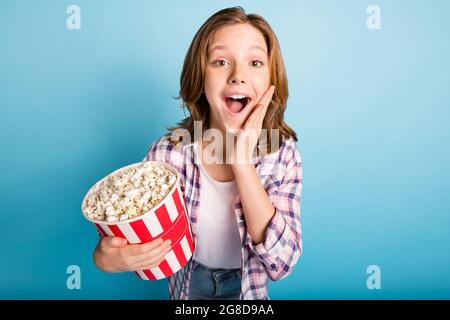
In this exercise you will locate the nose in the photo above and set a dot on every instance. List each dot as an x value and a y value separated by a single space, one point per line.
237 76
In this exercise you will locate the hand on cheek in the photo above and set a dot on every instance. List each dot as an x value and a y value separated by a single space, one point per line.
248 137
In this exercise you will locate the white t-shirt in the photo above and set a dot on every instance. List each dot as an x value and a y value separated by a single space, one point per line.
218 241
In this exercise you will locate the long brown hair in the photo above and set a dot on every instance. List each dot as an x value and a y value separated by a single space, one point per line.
193 74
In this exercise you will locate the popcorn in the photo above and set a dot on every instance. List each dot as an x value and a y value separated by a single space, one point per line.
129 193
142 202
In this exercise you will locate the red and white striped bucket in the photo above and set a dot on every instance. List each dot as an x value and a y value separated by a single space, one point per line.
167 220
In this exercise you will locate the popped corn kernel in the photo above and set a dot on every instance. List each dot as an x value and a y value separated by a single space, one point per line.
129 193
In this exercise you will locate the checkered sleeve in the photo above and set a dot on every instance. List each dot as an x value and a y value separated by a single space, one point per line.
282 247
159 150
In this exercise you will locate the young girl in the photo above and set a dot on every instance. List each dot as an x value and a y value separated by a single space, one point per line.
244 215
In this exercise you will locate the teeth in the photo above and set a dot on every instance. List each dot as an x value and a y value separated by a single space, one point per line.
237 97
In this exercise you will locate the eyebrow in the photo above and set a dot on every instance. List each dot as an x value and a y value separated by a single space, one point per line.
221 47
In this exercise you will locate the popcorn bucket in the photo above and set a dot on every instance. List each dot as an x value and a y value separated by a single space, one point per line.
167 220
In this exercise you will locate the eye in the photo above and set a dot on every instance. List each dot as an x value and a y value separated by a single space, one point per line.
220 63
257 63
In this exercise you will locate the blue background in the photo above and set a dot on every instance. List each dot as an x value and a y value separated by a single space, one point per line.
371 108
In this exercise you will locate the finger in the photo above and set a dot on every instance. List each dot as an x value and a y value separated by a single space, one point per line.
264 108
115 242
145 258
261 101
261 106
139 249
265 99
256 117
152 253
146 247
153 261
269 96
252 120
166 246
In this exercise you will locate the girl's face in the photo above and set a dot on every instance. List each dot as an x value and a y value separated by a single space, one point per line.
236 75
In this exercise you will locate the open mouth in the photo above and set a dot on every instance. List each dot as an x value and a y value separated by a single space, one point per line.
237 103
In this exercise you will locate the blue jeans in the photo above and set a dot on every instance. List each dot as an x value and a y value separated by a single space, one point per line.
214 283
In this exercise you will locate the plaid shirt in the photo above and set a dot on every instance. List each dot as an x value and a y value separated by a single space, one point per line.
280 174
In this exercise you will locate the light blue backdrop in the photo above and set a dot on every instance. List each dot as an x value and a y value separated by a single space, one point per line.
371 108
